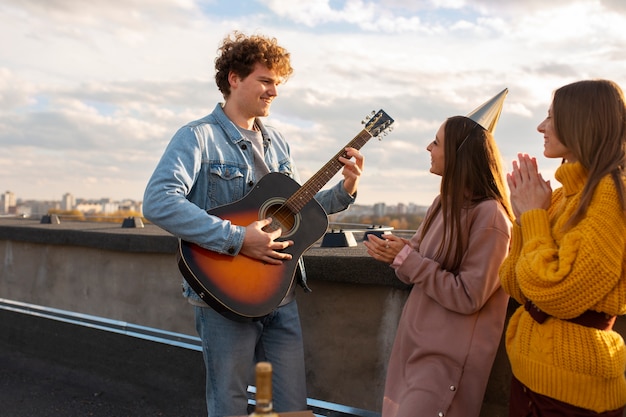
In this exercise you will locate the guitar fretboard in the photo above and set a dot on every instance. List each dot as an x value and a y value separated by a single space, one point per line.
305 193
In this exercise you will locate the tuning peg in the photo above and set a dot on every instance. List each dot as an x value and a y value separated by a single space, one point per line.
368 117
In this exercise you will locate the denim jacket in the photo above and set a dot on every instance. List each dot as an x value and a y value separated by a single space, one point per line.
209 163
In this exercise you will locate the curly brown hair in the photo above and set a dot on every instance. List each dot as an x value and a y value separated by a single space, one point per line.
239 53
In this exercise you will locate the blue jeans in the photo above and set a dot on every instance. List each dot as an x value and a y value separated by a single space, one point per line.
231 349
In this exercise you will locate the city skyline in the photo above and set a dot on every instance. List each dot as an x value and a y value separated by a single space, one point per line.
92 92
13 204
17 199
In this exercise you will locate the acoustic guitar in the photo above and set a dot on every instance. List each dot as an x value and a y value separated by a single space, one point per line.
241 287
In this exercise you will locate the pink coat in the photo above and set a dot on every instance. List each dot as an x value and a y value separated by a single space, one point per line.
452 323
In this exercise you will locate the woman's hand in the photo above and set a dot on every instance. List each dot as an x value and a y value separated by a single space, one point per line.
528 188
385 249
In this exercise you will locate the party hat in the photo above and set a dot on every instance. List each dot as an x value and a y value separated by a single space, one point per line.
487 114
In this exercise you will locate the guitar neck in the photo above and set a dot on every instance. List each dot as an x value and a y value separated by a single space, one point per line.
308 190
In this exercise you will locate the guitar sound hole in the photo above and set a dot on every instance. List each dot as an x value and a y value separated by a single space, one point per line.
282 218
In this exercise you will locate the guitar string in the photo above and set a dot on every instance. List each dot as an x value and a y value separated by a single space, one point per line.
303 195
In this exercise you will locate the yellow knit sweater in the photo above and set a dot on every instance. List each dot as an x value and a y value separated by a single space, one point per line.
565 274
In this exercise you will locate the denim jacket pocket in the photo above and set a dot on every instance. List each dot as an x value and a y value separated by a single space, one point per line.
226 183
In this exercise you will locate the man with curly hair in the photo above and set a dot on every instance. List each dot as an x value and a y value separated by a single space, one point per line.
217 160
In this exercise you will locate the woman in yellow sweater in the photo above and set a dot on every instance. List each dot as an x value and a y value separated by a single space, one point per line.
567 265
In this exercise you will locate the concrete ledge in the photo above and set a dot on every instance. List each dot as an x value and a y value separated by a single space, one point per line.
343 264
109 236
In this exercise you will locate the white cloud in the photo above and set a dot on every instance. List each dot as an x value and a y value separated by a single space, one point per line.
91 92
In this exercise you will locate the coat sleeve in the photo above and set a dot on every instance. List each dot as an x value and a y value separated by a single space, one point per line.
467 291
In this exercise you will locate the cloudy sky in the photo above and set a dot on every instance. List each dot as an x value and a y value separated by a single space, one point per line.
92 91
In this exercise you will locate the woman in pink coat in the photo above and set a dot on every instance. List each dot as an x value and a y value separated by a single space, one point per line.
453 319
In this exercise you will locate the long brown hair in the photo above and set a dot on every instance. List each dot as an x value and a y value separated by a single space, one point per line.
590 120
472 173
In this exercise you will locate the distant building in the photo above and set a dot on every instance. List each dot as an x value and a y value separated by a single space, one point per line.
24 211
415 209
36 208
89 208
8 203
68 203
110 207
379 209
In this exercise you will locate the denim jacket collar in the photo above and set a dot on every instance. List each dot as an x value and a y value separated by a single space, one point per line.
231 129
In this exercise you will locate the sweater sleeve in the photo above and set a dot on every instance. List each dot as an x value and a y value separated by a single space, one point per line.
508 276
568 273
468 290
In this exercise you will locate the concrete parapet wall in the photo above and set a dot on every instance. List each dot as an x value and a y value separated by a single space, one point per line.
130 274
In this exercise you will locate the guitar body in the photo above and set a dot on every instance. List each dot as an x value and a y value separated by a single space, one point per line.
242 287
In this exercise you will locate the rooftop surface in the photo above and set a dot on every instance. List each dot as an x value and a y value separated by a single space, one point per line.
53 368
59 363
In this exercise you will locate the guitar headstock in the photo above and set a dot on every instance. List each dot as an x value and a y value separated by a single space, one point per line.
378 123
